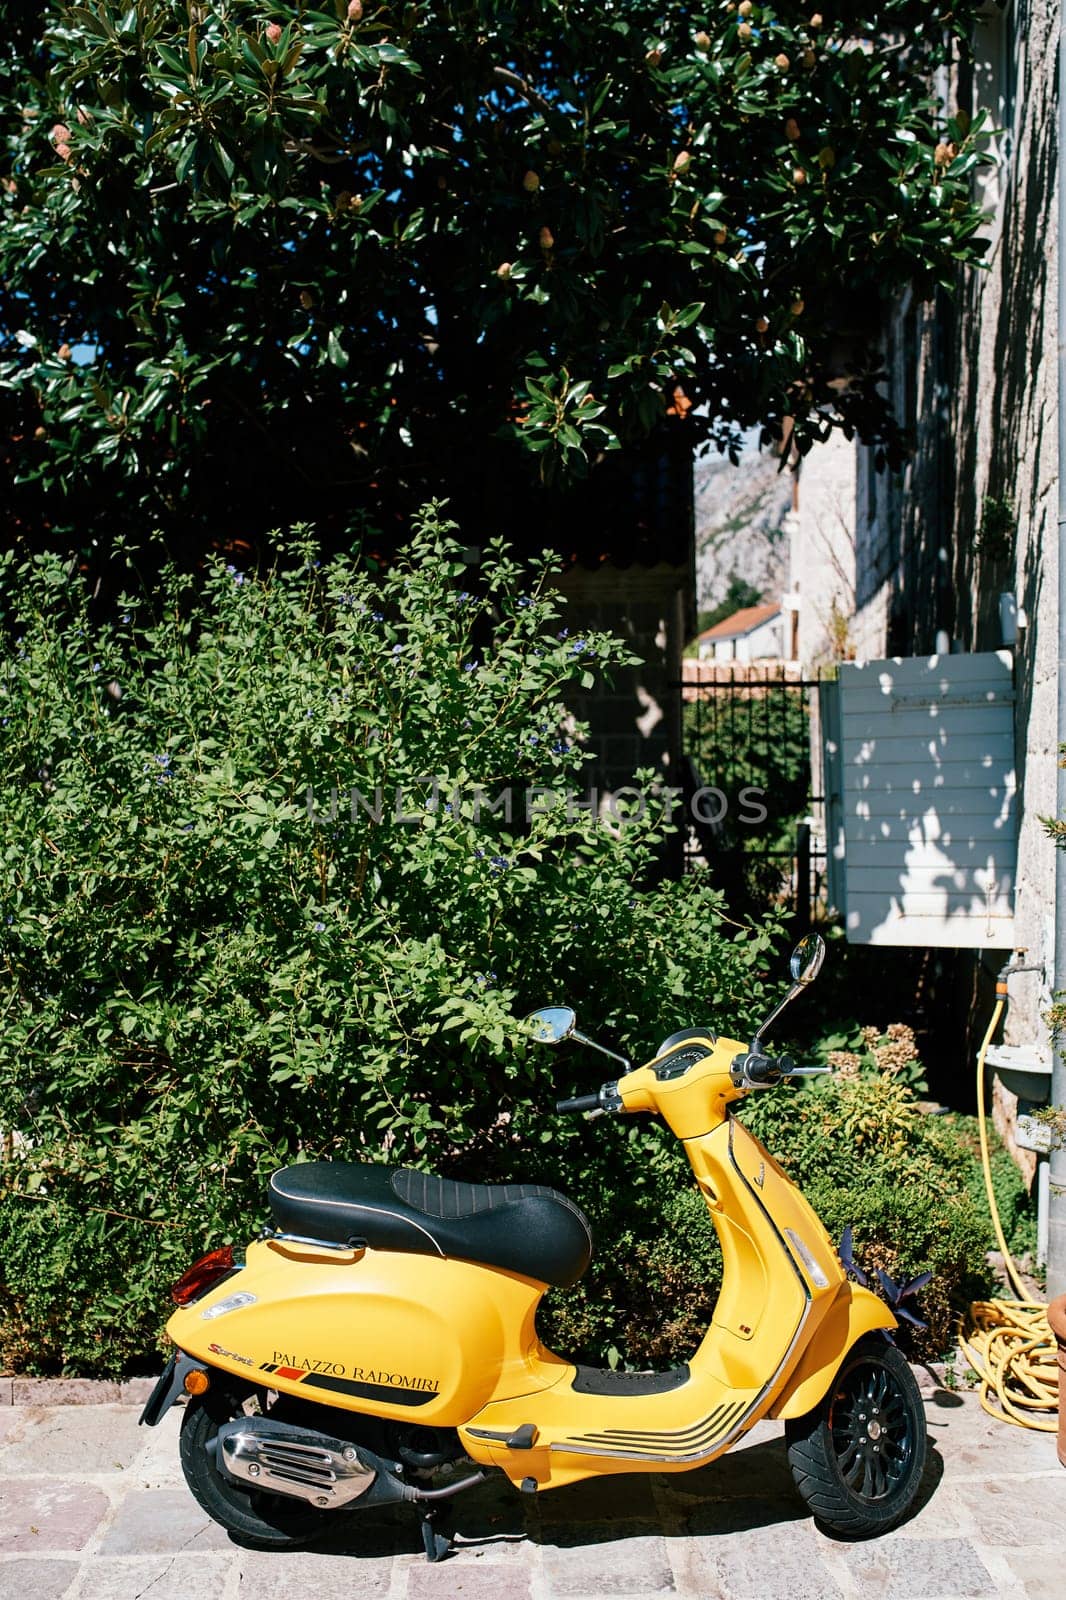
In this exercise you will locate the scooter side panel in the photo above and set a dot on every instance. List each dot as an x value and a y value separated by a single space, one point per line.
415 1338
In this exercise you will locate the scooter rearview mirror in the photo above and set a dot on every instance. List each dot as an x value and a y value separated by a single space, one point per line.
807 958
805 965
552 1024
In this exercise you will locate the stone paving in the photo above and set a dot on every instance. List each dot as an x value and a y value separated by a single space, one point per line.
94 1508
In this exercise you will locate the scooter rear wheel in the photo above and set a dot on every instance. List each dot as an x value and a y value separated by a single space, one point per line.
858 1457
257 1520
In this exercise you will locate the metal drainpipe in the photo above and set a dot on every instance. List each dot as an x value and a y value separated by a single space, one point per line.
1056 1279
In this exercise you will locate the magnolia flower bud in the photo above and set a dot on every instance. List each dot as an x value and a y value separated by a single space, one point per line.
531 182
273 32
702 41
816 20
798 176
504 270
744 32
827 157
762 325
796 307
60 133
64 352
792 129
547 239
721 236
782 62
682 161
355 10
745 8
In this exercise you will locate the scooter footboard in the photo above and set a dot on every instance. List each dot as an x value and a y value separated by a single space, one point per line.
854 1312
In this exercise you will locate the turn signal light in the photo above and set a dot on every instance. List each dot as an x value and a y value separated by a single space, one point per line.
203 1275
197 1382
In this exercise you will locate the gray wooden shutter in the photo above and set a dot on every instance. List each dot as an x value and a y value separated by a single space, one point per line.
920 800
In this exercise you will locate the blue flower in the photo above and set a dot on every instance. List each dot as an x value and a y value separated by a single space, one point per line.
125 616
164 759
320 927
470 666
564 633
396 649
524 601
499 863
533 739
578 647
379 616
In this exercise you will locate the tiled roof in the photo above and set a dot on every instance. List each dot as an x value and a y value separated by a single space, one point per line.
742 622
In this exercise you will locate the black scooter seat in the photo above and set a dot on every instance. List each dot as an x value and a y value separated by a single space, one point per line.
521 1227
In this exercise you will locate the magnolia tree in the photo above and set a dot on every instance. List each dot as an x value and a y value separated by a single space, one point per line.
262 260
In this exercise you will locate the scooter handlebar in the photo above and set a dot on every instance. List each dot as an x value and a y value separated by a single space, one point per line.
584 1102
755 1068
606 1098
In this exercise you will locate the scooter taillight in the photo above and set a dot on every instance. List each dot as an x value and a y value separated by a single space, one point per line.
203 1275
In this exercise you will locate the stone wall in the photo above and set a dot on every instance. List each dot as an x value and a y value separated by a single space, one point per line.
974 513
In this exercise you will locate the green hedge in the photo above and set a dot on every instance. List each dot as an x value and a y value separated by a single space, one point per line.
199 981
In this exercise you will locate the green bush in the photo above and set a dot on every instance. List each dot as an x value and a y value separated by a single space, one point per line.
201 981
1016 1206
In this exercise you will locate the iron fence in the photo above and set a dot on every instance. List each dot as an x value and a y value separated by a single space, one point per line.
753 810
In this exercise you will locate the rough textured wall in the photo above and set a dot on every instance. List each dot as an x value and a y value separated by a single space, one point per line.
822 552
973 514
1003 419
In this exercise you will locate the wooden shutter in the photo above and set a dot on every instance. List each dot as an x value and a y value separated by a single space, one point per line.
920 800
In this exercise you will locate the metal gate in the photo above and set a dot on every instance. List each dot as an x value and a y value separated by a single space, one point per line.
752 814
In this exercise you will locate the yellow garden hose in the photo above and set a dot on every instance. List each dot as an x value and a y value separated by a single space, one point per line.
1010 1345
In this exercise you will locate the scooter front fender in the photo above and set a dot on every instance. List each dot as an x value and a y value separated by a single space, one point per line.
854 1312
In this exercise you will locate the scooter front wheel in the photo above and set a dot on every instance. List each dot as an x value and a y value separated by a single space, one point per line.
258 1520
858 1457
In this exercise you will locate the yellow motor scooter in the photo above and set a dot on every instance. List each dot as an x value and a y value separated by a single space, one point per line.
380 1343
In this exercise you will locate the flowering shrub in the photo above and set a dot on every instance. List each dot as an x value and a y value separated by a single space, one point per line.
262 901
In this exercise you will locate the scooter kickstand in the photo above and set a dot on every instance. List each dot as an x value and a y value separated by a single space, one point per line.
437 1545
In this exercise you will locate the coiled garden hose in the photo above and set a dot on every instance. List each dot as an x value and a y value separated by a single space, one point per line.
1010 1346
